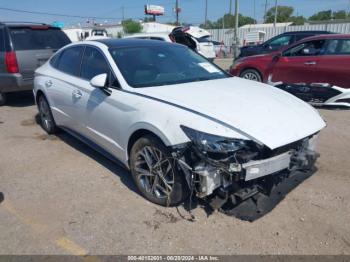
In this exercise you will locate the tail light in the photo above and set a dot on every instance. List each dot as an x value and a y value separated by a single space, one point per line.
11 62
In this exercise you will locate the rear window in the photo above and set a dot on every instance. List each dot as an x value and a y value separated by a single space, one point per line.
26 38
70 59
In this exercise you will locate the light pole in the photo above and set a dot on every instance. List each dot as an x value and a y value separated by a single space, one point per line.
206 13
276 10
236 42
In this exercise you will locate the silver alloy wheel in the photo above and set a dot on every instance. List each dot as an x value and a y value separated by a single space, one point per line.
45 113
154 172
251 76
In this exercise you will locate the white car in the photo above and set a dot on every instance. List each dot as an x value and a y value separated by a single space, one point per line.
177 121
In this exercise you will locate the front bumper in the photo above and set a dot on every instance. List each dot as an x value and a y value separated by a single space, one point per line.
251 189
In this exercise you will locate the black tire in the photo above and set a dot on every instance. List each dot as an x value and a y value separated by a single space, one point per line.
3 98
145 183
251 74
47 121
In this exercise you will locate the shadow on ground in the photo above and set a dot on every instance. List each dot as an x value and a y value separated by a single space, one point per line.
114 167
20 99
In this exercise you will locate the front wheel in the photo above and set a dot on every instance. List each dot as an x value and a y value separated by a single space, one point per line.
251 74
155 172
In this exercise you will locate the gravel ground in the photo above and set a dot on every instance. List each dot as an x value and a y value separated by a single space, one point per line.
61 197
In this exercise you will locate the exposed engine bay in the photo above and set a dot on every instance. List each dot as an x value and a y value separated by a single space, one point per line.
243 178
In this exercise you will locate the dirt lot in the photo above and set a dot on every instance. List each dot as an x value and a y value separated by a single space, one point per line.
61 197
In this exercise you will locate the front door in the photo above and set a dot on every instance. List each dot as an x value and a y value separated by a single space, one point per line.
298 64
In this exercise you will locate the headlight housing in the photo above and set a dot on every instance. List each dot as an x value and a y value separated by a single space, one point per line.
208 143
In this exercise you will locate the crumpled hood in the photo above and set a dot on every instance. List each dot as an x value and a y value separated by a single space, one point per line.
264 113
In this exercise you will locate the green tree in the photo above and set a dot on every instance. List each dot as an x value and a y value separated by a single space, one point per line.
228 21
297 20
341 14
284 14
130 26
321 16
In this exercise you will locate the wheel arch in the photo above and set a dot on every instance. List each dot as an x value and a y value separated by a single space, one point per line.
140 132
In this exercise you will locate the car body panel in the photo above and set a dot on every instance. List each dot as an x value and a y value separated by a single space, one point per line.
230 107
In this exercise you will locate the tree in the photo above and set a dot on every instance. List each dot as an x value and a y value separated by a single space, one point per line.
321 16
228 21
130 26
284 13
297 20
341 14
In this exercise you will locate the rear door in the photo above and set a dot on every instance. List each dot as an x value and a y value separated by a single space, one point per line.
298 64
34 45
60 88
334 66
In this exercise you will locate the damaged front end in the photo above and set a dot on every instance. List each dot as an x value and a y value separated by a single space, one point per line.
241 177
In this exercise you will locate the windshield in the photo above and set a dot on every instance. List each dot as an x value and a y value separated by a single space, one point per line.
163 65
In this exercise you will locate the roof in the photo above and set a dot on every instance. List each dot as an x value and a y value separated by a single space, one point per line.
11 23
328 36
131 42
255 26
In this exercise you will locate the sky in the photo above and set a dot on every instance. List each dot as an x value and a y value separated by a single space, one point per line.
193 11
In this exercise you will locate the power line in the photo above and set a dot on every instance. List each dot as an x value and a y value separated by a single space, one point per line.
54 14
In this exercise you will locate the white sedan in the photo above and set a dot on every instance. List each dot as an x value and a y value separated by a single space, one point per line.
177 121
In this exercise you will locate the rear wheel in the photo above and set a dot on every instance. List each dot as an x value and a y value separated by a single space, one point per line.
2 99
251 74
47 121
155 173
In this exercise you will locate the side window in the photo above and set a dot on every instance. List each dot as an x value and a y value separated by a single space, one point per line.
311 48
332 47
54 60
93 64
2 40
344 48
69 61
281 41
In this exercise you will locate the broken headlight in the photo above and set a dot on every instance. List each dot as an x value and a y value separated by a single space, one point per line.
213 144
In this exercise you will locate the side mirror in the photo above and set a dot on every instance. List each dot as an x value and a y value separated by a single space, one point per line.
277 56
99 81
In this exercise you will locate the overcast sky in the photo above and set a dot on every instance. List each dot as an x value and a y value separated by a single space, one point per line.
192 10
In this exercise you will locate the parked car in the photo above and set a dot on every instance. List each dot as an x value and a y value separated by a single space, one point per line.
183 36
23 48
318 65
177 121
221 50
278 42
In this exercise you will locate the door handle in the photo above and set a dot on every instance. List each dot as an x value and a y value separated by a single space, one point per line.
77 94
48 83
310 63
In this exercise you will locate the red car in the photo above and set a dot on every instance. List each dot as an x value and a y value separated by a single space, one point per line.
322 59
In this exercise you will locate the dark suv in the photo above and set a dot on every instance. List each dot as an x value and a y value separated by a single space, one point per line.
278 42
23 48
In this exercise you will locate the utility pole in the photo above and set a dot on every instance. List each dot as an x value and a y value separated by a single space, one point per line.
236 40
276 10
265 13
123 13
230 11
206 12
177 12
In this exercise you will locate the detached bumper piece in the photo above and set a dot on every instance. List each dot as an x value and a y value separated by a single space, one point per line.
254 200
319 94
